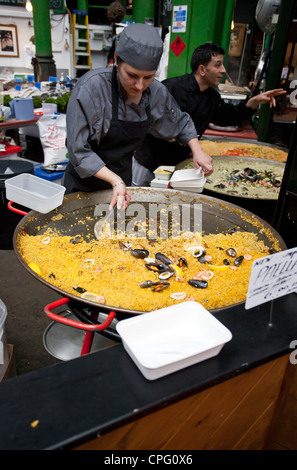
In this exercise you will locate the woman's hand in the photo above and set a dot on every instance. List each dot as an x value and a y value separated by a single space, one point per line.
120 196
200 158
119 189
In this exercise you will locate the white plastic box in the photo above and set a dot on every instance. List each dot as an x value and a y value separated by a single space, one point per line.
35 193
49 108
188 180
158 183
172 338
164 172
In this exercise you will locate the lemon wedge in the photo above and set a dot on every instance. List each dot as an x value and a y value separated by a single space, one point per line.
35 268
178 271
218 268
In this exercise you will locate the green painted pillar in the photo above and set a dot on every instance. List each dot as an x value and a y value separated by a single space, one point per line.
143 9
82 5
226 30
44 65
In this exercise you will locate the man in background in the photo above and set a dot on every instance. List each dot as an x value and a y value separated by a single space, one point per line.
196 94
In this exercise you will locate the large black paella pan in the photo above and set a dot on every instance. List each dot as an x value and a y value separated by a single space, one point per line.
217 217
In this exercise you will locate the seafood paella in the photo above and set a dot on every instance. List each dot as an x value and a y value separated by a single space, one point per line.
243 176
244 149
145 275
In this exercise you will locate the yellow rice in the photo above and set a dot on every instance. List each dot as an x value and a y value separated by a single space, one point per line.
101 267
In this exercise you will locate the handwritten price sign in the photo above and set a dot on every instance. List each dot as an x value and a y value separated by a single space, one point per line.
272 277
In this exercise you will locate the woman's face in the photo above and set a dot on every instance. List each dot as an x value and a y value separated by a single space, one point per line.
134 81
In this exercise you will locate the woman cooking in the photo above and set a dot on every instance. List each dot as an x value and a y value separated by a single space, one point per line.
111 110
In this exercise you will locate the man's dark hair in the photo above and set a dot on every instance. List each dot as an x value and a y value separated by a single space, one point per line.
115 12
203 54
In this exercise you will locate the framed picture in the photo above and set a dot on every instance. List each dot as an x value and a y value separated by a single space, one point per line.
9 46
236 40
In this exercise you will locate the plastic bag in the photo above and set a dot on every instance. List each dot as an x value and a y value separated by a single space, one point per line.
52 131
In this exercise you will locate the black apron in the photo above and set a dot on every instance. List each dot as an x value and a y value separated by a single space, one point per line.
116 149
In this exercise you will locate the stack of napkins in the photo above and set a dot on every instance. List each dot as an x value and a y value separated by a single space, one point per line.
188 180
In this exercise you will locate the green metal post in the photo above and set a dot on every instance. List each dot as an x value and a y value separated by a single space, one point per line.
143 9
226 31
82 5
44 65
276 64
203 23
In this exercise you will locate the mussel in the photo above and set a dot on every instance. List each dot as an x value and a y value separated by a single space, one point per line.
124 246
76 239
139 253
238 260
182 262
231 252
198 283
145 284
163 258
80 290
161 285
158 267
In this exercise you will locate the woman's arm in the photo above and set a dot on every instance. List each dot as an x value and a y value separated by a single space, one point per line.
200 158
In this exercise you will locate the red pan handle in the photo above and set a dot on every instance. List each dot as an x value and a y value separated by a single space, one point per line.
76 324
13 209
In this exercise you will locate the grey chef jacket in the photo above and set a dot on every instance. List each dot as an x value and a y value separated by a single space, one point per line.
89 114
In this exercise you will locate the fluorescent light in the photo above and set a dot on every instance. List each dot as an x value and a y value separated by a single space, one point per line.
28 6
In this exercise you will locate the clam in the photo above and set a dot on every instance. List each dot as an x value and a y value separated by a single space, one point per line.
198 283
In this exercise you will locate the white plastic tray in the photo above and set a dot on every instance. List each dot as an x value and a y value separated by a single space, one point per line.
172 338
158 183
164 176
191 180
34 192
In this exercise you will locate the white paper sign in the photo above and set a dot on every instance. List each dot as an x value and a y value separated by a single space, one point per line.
179 22
272 277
